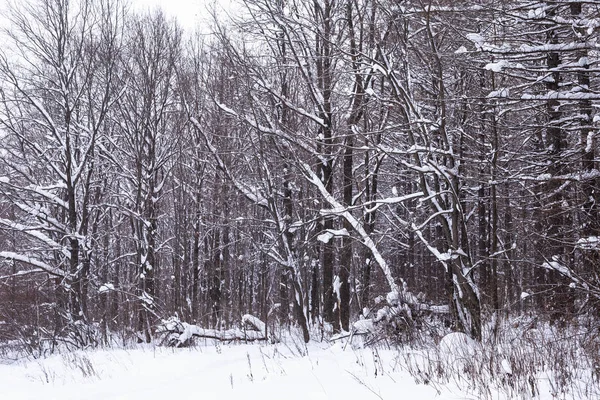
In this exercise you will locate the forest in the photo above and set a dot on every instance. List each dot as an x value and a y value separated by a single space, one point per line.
428 166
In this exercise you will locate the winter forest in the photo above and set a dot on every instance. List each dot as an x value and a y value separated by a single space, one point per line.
377 173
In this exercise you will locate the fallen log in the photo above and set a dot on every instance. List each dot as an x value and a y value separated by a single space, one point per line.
179 333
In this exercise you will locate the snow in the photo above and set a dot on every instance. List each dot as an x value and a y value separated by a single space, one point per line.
363 326
506 366
475 38
146 298
458 349
392 298
556 266
39 235
571 95
337 285
325 237
255 322
545 48
583 62
215 370
544 177
261 370
461 50
4 179
181 332
497 66
42 191
43 267
226 109
537 13
589 243
589 146
252 193
107 287
503 93
331 233
212 371
230 334
378 68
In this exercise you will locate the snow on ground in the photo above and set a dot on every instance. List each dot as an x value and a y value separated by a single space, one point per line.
214 370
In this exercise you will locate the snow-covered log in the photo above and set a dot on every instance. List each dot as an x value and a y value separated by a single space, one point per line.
179 333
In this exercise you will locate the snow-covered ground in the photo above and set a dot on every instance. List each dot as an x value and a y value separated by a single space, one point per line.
213 370
243 371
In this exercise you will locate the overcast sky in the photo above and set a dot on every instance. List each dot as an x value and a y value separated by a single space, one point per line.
189 12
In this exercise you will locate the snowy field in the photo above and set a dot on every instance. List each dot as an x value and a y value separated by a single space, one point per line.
213 370
252 371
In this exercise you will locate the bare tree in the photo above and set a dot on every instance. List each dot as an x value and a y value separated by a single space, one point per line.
146 120
59 79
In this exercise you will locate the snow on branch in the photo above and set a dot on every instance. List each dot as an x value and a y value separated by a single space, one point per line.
250 192
43 267
331 233
573 177
270 129
37 234
338 209
390 201
22 273
589 243
288 103
441 257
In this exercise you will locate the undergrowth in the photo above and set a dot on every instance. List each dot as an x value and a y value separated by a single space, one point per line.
524 360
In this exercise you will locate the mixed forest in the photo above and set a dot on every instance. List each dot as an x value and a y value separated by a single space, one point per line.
420 163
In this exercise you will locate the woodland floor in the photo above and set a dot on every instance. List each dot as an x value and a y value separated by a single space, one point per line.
213 370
